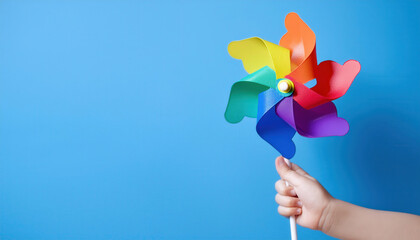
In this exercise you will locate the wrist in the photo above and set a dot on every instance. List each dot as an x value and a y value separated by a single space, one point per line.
329 216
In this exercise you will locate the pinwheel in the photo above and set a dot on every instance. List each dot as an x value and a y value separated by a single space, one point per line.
275 93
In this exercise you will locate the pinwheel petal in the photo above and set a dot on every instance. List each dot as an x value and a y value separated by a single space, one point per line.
300 40
321 121
333 81
243 99
272 128
256 53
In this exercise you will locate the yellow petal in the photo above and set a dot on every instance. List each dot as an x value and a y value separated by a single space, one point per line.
256 53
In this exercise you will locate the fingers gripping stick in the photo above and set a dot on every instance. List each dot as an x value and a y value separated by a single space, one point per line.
293 231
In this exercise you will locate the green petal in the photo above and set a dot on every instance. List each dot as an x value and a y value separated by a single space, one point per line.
243 100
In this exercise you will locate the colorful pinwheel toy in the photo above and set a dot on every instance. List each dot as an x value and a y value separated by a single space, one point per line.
275 93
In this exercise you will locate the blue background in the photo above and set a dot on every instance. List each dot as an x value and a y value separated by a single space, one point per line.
111 117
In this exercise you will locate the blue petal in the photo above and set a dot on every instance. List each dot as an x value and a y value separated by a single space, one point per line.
271 128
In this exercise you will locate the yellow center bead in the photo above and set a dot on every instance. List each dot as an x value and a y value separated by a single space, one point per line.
285 86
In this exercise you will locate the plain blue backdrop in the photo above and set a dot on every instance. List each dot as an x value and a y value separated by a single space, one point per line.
112 127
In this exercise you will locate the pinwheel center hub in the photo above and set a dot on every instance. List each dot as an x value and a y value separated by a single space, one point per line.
285 87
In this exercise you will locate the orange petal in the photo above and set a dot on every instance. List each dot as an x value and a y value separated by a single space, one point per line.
300 40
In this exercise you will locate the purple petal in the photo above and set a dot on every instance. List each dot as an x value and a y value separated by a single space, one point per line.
321 121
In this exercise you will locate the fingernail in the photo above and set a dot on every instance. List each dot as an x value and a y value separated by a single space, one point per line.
298 211
299 203
293 192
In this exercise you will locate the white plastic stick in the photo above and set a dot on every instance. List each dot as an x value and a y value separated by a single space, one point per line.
293 231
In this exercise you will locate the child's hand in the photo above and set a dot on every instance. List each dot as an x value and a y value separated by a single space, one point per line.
305 197
315 208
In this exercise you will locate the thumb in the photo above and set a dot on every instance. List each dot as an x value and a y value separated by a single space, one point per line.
287 173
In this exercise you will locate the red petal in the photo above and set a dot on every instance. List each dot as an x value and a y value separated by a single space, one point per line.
333 81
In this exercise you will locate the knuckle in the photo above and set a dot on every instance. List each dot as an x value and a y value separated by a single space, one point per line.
286 201
288 174
277 198
290 211
279 187
280 210
285 211
277 184
284 191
